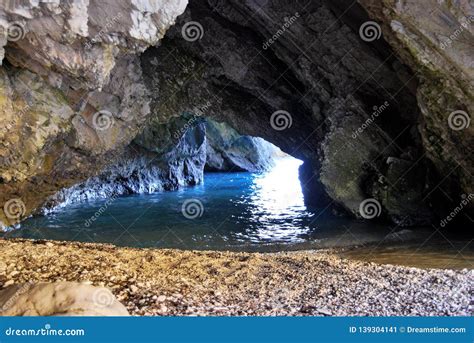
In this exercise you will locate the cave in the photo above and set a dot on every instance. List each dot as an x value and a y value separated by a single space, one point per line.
346 105
159 104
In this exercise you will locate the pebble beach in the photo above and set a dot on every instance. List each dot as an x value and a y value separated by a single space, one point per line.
164 282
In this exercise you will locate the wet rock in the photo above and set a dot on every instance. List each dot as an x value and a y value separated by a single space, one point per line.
154 162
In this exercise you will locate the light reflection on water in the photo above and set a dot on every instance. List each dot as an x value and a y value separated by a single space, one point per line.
241 211
275 204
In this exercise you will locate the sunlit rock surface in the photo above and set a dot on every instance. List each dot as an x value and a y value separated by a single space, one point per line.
82 39
59 299
71 91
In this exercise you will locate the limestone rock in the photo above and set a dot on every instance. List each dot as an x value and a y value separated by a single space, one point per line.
156 161
228 151
323 97
71 91
435 39
82 39
56 137
59 299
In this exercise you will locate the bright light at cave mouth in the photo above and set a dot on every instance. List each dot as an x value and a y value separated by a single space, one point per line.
279 190
274 207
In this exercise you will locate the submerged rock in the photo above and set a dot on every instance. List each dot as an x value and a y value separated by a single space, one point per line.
59 299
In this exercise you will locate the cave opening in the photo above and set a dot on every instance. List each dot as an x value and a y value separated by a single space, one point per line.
211 188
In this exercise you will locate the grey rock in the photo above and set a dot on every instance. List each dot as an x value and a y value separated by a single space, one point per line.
145 167
228 151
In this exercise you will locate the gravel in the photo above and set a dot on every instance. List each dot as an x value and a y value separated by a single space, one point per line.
174 282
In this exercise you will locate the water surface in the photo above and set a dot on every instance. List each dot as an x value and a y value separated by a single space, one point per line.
230 211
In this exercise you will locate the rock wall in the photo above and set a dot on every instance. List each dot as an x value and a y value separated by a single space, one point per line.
435 38
168 156
226 150
153 162
71 91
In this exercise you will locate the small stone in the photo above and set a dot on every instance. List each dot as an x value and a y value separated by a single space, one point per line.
324 311
8 283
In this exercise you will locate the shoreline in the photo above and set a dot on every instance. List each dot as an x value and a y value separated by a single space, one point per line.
180 282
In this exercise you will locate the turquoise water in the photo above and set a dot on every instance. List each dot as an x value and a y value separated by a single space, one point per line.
230 211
